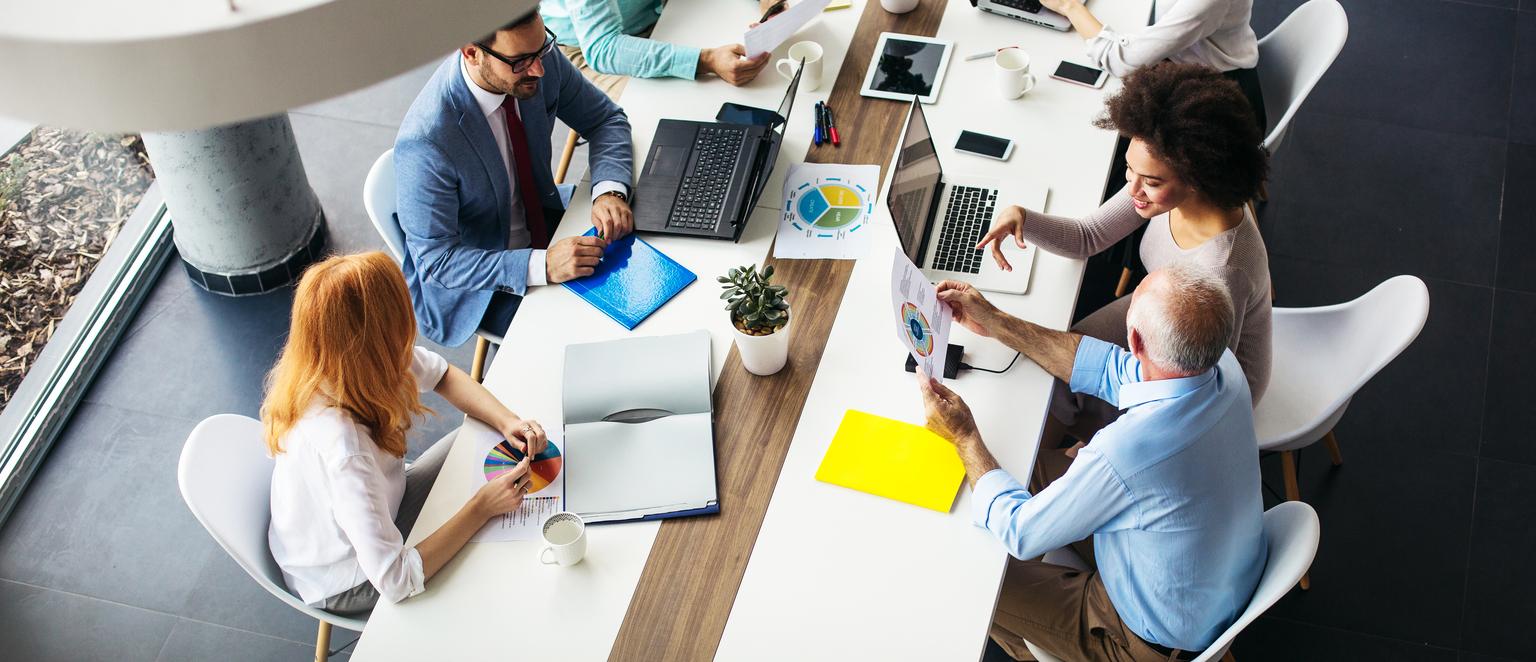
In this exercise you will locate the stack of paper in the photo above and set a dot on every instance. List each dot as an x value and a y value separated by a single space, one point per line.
894 460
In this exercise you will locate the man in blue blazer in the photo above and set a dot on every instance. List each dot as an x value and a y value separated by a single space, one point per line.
476 198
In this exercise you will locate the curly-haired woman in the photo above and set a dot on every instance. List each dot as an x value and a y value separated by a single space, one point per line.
1194 162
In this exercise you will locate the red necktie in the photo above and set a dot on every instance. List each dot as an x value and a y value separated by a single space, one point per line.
533 210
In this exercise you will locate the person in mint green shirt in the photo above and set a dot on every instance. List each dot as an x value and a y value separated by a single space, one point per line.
608 40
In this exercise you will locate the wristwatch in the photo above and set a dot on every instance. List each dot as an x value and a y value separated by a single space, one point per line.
617 193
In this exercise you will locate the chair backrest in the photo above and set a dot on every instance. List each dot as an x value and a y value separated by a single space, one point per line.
379 202
1323 355
226 480
1293 531
1294 56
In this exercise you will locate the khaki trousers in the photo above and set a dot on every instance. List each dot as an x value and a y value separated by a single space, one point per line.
1065 612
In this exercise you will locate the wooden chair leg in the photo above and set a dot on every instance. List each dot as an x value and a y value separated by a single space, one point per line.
1227 657
1293 493
323 642
565 157
1125 282
1332 443
477 369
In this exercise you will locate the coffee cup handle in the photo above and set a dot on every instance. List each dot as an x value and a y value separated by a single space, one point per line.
546 552
1029 83
785 62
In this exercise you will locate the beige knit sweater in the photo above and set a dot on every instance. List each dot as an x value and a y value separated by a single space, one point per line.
1238 254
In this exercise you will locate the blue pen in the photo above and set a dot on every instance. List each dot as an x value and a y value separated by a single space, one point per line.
816 134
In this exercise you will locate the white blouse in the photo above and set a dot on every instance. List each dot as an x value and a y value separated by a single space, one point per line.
335 495
1210 32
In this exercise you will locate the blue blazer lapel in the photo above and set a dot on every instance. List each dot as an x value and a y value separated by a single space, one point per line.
477 131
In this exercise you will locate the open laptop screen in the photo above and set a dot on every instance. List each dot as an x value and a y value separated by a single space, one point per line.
914 183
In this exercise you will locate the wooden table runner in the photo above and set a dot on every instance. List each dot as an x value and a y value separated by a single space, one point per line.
685 594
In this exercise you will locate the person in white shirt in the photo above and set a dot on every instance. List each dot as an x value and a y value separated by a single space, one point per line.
339 402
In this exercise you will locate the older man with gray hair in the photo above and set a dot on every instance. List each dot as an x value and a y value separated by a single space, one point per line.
1169 491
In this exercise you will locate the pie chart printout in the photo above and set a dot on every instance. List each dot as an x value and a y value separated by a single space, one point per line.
830 207
918 331
544 469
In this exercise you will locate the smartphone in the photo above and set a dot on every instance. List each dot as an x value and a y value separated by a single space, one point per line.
1080 74
982 144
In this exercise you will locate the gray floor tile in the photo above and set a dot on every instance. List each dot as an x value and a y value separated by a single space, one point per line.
1423 63
1517 225
1522 105
1288 641
337 155
383 103
1509 420
1360 192
40 625
1393 555
191 641
104 517
227 596
1501 578
170 285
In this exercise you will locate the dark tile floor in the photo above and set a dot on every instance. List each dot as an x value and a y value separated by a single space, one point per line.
1414 155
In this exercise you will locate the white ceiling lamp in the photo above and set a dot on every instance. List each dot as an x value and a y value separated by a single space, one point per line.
118 66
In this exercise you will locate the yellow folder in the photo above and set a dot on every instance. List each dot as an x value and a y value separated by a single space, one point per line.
894 460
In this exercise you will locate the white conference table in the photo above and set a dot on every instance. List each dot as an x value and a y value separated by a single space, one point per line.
833 571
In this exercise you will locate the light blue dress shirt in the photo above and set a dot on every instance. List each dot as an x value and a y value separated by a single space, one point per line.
1169 491
602 29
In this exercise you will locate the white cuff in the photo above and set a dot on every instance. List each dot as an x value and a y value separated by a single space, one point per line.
536 273
606 186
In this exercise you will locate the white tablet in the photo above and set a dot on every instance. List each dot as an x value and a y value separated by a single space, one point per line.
907 65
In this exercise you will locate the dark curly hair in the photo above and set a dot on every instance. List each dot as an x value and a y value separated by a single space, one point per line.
1199 123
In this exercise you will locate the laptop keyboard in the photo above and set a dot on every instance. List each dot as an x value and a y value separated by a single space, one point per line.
966 218
1031 6
702 195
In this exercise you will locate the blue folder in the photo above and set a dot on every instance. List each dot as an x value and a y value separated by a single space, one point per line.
632 280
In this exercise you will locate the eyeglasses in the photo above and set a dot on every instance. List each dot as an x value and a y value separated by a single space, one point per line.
520 63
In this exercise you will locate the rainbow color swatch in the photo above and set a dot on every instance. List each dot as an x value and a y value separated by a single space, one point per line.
544 469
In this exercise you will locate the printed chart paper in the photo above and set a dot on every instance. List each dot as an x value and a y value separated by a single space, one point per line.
826 210
768 35
922 321
546 488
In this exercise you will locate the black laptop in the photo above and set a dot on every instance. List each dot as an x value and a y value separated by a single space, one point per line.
702 179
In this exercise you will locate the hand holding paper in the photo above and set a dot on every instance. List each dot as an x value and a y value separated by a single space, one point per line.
766 36
922 321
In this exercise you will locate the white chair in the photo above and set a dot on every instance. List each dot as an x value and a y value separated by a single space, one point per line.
226 480
1292 530
1294 56
1322 356
379 202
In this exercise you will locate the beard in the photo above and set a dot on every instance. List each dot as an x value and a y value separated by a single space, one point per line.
524 89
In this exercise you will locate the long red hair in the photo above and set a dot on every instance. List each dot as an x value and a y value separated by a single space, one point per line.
349 345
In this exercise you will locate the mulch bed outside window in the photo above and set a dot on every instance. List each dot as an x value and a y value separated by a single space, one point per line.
63 197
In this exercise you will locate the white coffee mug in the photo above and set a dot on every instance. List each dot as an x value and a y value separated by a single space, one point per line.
899 6
811 53
1012 70
565 537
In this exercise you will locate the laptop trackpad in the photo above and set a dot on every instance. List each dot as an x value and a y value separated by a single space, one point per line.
668 161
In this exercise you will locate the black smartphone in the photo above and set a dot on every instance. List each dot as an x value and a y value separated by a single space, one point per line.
1080 74
982 144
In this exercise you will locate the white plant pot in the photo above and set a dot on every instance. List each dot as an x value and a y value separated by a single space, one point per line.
764 355
899 6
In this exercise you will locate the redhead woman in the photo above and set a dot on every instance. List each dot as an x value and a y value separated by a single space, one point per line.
338 405
1194 162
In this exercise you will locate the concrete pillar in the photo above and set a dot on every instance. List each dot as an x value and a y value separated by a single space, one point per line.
245 217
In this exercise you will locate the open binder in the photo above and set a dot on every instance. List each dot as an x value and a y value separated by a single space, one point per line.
639 428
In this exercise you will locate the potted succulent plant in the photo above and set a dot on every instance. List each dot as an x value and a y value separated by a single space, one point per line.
759 315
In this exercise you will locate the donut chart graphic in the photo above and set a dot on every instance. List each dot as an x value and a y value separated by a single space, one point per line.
918 331
826 208
542 471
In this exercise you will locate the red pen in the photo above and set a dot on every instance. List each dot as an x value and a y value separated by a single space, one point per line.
831 126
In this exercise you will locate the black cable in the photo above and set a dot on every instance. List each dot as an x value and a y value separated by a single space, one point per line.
968 366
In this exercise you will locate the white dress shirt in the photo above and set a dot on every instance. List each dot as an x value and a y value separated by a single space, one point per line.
1210 32
335 496
490 104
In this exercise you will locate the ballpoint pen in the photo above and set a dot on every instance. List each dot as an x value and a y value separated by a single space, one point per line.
831 126
818 136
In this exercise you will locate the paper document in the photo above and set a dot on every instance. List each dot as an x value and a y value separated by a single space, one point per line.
768 35
922 321
546 486
894 460
826 208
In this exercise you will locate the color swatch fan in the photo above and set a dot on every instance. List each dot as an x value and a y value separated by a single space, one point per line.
544 469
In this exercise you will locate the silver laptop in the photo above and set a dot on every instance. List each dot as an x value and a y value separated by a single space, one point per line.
940 219
1029 11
